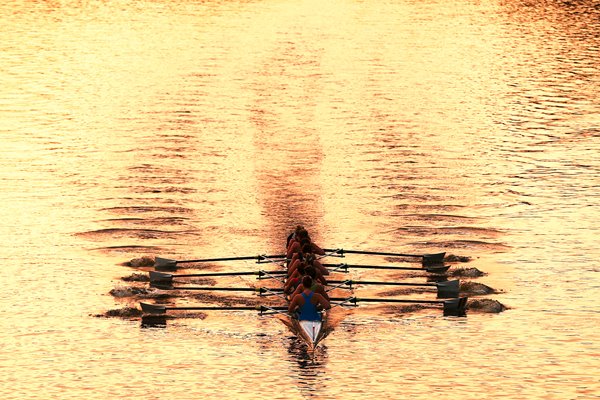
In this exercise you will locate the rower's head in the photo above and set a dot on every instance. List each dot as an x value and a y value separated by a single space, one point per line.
310 259
303 233
307 281
306 247
310 271
298 229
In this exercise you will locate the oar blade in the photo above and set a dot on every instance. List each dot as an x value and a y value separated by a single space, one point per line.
160 277
455 307
162 285
448 289
164 264
437 269
432 259
153 308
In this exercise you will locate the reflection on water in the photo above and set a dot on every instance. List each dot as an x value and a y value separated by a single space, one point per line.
208 129
310 369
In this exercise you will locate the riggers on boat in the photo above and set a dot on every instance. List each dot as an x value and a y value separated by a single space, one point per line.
310 329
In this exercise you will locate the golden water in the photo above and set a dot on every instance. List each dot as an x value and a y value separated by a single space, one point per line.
191 129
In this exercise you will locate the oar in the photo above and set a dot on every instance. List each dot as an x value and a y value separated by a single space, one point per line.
455 306
217 289
444 289
432 269
451 307
163 277
265 259
168 264
161 309
428 259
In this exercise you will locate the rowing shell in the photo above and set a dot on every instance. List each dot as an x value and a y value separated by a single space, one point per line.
311 332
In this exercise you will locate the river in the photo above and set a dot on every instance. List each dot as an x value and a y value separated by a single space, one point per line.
211 128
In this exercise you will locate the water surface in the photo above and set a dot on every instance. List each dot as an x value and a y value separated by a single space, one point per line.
206 129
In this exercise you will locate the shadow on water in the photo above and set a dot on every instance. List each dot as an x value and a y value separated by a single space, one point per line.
154 321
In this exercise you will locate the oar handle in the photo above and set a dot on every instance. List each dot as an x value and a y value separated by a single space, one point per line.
351 282
343 265
258 258
373 253
159 276
368 300
454 306
206 308
161 309
390 267
259 273
427 259
215 274
218 289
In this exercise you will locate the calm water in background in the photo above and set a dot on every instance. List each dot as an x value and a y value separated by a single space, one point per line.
181 128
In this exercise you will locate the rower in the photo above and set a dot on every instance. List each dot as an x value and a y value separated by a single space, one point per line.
300 255
308 303
302 269
318 282
295 244
296 278
310 259
293 235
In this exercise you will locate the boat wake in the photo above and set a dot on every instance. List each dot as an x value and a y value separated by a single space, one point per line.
486 306
136 277
125 312
467 272
145 261
476 288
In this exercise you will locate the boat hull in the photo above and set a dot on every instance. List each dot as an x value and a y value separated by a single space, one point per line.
311 332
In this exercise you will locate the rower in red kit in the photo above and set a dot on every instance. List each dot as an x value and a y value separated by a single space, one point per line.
299 239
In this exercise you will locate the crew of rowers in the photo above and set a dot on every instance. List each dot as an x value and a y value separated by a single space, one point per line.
306 277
